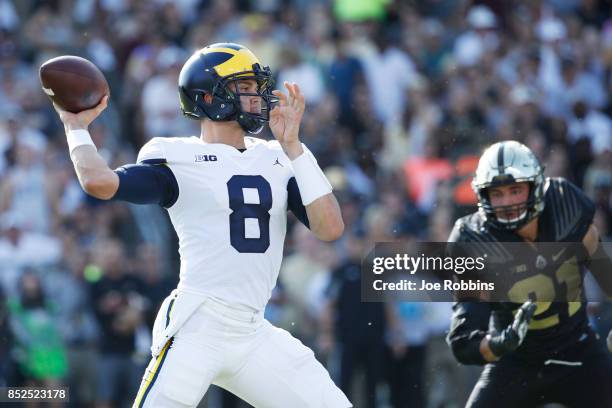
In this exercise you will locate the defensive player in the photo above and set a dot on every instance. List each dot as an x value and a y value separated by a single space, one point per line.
548 354
227 195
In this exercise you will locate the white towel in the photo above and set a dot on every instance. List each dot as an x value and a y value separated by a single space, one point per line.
184 305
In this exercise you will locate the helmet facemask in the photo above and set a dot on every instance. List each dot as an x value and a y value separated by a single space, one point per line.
228 89
526 210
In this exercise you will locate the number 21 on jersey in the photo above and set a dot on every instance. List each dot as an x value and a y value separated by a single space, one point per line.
543 287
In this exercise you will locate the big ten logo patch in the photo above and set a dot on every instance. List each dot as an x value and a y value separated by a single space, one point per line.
205 158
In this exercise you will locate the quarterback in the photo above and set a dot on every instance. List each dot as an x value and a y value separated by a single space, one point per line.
537 352
227 195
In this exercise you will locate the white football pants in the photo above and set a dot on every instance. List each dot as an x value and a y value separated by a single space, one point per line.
241 352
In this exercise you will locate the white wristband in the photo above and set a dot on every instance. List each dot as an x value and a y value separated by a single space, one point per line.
78 137
310 178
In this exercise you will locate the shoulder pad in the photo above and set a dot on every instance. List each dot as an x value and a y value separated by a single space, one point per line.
571 211
471 235
152 150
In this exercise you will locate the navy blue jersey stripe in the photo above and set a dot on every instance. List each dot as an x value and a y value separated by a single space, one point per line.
294 202
146 183
154 161
168 312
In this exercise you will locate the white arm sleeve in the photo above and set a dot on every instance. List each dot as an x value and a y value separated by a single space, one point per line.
309 177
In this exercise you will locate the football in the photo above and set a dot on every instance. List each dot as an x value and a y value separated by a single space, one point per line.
73 83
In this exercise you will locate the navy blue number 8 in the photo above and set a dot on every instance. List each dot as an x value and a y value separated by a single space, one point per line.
242 211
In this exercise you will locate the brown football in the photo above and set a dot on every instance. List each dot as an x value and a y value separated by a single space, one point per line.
74 83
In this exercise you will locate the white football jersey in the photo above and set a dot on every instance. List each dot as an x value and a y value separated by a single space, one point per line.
230 215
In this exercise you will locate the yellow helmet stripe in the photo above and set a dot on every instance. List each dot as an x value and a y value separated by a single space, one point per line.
241 61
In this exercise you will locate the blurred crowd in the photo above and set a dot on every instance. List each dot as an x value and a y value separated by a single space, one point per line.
402 96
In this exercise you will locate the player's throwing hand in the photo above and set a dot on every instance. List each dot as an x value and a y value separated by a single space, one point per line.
80 120
285 119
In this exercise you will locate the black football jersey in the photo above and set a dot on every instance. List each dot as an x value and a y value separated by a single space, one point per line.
555 274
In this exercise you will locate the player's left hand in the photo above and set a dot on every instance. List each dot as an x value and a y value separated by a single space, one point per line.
512 336
610 341
285 119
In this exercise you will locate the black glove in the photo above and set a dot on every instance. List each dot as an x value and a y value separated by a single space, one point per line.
512 336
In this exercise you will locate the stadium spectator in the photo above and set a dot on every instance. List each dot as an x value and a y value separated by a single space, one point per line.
6 344
408 334
38 343
119 306
355 328
21 249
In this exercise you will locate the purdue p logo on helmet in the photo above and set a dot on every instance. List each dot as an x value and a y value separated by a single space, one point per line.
211 71
506 163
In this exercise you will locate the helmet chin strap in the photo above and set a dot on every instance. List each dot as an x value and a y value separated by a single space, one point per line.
249 124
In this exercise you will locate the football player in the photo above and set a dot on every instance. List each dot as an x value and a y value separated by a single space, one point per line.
539 352
227 195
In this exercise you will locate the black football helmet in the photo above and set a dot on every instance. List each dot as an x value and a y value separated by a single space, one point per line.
506 163
210 71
